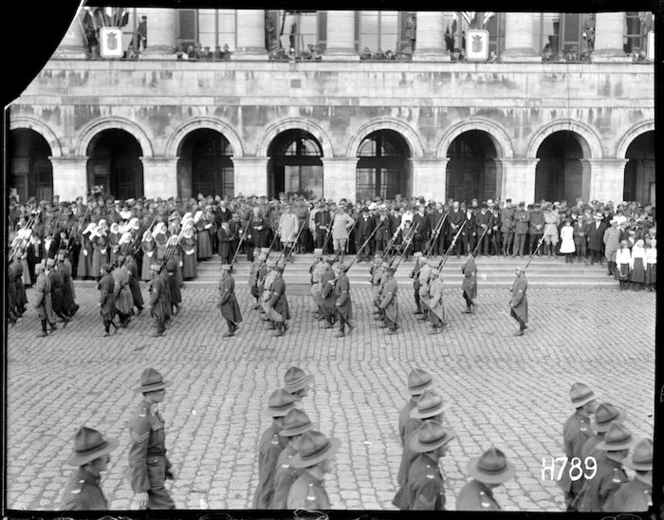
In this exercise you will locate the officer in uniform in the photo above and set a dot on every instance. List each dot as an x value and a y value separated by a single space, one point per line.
488 471
426 273
469 286
519 301
254 273
316 273
228 306
315 456
106 304
91 457
149 467
425 482
415 275
270 446
296 423
278 303
595 495
418 381
327 292
436 302
521 221
343 302
635 495
297 382
389 302
576 431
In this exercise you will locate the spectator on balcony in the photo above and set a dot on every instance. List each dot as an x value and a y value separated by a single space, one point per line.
411 30
366 54
142 34
179 49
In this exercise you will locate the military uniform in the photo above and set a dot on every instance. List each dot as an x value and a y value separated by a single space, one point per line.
576 431
425 485
633 496
390 304
83 493
284 478
469 285
149 466
270 447
327 295
596 492
519 301
308 492
344 306
475 496
404 418
228 306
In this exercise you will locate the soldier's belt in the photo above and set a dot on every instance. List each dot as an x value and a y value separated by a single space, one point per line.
156 453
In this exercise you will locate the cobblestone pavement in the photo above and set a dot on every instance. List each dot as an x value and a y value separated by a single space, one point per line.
507 391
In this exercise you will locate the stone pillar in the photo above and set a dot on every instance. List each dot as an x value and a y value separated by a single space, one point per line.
518 181
609 33
340 36
250 35
73 45
519 38
250 176
160 177
70 177
430 178
430 43
607 177
163 29
339 178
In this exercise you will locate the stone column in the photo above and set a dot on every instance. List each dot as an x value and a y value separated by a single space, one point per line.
430 44
250 175
518 181
250 35
609 33
163 29
73 45
519 38
339 178
341 37
607 177
159 174
430 178
70 177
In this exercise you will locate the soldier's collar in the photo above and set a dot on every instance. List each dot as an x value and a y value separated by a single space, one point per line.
86 475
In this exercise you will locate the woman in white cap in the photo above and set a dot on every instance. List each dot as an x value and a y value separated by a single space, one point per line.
100 253
637 272
188 245
91 455
84 267
149 247
488 471
651 265
623 260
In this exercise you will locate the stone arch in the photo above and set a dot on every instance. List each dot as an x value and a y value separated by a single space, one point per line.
210 123
38 126
591 144
630 135
496 133
387 123
112 123
294 123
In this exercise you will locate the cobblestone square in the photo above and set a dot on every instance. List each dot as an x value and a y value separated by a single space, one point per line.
507 391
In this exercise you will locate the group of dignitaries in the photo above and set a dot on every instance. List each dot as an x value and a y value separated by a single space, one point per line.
294 455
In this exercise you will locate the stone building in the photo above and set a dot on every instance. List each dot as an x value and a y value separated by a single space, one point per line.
513 126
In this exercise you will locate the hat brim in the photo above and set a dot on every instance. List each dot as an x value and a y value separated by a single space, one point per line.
299 430
487 478
622 415
602 445
416 414
281 412
76 459
418 447
153 388
334 446
306 381
586 400
629 462
420 389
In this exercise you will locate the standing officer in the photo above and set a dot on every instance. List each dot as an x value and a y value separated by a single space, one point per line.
521 221
469 285
488 471
483 229
91 456
389 302
536 228
228 306
635 495
519 301
343 303
149 467
576 431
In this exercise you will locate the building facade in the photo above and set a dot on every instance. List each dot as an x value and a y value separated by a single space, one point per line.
429 124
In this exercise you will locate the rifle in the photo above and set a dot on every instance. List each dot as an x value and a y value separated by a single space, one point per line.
290 252
480 241
351 230
329 231
394 237
538 246
449 249
407 242
241 240
434 236
363 246
170 248
29 225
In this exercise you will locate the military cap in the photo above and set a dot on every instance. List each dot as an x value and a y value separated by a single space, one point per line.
280 403
418 381
581 394
296 422
151 379
492 467
296 379
617 438
430 436
312 448
605 414
641 458
429 405
89 444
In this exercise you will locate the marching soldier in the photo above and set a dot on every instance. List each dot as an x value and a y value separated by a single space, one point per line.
425 279
228 306
389 302
134 287
149 467
519 301
375 277
576 431
43 298
343 303
596 493
57 300
68 295
270 447
469 286
297 382
315 456
635 495
415 275
173 285
425 482
159 301
327 292
278 303
316 273
488 471
418 381
106 304
268 281
91 456
436 303
296 423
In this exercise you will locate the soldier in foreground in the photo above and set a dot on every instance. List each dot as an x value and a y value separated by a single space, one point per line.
297 383
149 467
418 381
635 495
488 471
91 456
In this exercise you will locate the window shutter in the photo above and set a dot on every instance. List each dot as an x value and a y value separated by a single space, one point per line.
322 30
188 29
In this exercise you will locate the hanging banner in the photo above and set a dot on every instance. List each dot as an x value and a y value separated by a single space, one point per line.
477 45
651 46
110 42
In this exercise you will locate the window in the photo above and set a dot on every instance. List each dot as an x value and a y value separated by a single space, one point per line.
496 27
637 26
188 27
298 30
378 30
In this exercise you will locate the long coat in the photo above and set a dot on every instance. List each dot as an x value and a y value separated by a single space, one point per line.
188 257
436 302
149 247
389 302
106 287
284 478
42 301
100 255
342 294
278 300
159 298
85 260
203 239
327 290
57 301
469 285
519 301
269 448
611 241
124 301
425 485
228 306
134 287
595 236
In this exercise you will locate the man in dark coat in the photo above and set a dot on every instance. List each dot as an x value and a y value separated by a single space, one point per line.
57 299
455 218
519 301
225 240
434 226
327 293
595 231
279 303
173 286
384 232
468 233
134 287
42 301
389 302
343 302
365 226
228 306
159 300
64 268
91 456
483 229
421 225
469 285
323 222
106 288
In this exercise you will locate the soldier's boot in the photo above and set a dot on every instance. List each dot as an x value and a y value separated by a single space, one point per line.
418 310
280 330
271 326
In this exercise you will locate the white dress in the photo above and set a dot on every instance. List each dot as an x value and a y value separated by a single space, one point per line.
567 237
